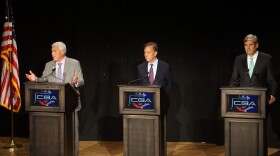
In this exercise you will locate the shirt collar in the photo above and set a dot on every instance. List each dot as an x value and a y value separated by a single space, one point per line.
254 56
63 61
154 63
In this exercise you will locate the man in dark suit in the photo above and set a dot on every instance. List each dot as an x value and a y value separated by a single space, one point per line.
156 72
160 73
67 70
254 69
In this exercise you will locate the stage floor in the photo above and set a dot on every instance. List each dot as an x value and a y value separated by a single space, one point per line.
111 148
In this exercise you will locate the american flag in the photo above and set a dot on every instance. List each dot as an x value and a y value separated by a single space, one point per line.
10 84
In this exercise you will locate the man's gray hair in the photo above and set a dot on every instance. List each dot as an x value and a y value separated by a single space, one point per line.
60 45
251 37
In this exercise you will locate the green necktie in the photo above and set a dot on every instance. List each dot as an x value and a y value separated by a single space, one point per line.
251 66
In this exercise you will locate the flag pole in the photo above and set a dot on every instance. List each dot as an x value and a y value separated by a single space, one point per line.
12 145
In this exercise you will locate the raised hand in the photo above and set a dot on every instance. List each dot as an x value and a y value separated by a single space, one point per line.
31 76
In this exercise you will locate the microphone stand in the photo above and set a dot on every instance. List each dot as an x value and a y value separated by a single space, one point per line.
135 80
138 79
234 82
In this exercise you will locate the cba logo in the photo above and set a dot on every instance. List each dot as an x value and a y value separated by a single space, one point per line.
243 104
140 101
45 98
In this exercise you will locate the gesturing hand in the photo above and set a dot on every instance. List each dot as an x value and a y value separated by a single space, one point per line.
31 76
75 78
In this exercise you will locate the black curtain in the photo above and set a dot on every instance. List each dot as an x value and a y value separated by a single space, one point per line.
199 41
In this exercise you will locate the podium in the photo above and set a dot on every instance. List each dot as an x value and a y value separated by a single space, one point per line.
244 111
144 120
51 109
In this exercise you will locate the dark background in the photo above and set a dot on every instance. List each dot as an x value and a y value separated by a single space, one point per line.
198 39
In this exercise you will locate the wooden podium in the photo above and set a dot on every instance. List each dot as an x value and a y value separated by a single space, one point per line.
244 110
144 120
51 109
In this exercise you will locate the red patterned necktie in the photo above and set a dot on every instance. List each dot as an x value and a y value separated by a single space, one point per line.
151 75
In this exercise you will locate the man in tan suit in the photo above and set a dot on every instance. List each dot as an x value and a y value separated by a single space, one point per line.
70 72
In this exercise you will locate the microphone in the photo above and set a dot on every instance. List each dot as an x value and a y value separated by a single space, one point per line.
53 69
59 78
139 79
238 80
234 82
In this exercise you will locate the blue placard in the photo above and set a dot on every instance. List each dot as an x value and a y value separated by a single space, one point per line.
243 103
47 97
139 100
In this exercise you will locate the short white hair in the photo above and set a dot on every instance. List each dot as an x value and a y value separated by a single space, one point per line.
60 45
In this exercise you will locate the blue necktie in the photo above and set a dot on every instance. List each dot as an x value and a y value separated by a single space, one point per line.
251 67
59 73
151 75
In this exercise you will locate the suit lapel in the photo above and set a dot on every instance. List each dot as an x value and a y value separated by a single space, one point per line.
146 67
66 68
157 72
52 78
145 71
258 63
244 62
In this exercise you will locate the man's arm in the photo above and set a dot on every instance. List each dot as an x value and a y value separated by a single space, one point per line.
272 84
78 79
235 75
169 82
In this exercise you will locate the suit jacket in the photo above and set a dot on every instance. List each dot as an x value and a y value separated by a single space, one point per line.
70 67
162 77
263 74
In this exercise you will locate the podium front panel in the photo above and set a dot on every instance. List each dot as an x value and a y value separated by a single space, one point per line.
244 137
243 102
46 130
50 97
49 135
144 135
141 100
